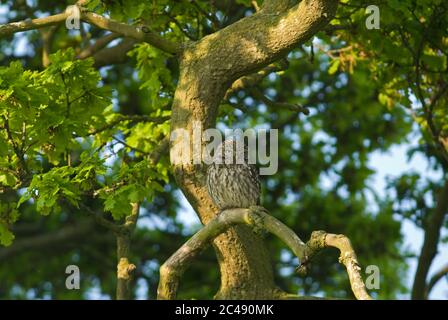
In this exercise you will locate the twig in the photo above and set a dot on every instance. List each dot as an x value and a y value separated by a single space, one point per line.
47 39
130 147
212 18
253 79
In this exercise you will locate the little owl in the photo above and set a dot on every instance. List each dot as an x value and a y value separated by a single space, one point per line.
235 184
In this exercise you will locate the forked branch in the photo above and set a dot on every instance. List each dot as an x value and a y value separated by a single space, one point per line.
172 270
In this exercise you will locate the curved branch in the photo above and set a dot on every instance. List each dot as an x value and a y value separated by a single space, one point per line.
172 270
320 240
435 278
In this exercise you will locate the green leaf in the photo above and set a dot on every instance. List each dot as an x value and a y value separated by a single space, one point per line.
334 66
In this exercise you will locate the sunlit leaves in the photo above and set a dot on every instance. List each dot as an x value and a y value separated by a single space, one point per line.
132 183
8 215
153 73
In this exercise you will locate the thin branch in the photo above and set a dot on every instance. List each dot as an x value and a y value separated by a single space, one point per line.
131 147
320 240
211 17
98 45
253 79
61 236
180 27
141 33
16 148
443 272
279 105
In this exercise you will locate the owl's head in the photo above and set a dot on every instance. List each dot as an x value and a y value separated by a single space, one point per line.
233 151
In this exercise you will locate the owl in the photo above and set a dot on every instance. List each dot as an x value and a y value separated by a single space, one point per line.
235 184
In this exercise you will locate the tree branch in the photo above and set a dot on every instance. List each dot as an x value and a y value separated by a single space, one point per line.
125 269
172 270
320 240
132 118
430 243
32 24
141 33
253 79
47 39
435 278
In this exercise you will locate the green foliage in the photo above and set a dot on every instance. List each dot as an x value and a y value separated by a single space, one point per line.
73 137
8 215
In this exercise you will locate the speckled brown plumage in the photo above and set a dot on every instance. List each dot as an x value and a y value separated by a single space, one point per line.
233 185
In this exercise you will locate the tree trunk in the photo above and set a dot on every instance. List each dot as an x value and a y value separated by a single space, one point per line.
207 69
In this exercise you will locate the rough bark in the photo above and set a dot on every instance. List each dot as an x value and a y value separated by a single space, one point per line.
207 70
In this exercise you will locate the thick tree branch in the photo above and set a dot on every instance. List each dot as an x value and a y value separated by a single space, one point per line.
114 55
172 270
253 79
